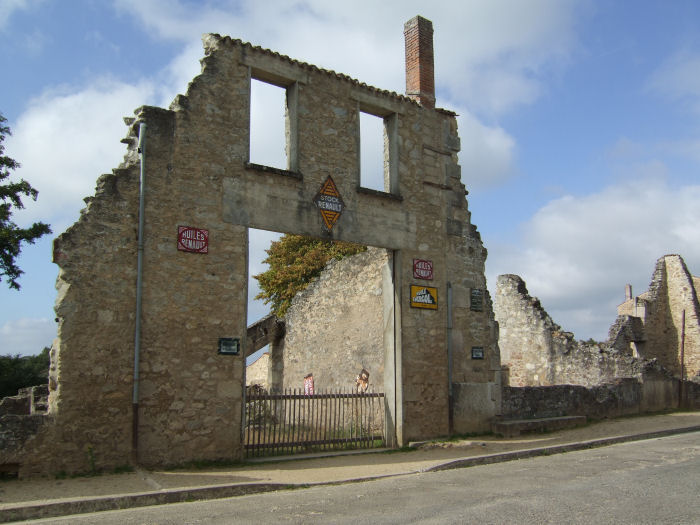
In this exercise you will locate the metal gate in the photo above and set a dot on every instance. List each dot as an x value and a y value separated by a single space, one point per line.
294 422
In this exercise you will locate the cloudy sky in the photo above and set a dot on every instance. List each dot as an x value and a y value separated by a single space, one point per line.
579 120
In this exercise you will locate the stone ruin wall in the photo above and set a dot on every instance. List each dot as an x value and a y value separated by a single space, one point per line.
646 335
538 352
257 372
335 327
75 392
672 291
198 174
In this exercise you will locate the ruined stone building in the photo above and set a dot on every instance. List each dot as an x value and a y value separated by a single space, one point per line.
149 364
657 330
257 372
665 319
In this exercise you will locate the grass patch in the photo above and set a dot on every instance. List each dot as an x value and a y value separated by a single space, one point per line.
405 448
201 464
468 435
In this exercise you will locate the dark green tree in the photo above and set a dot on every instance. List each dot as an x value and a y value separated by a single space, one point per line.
11 235
22 371
294 261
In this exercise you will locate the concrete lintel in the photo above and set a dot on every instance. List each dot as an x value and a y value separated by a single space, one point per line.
378 105
274 70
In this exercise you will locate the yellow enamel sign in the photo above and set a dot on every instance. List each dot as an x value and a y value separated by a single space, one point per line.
424 297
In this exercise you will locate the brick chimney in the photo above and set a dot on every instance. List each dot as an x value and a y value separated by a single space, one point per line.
420 79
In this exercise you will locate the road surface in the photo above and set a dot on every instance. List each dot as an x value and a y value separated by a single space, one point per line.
654 481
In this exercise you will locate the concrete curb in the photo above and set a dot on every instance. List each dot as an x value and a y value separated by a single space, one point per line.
557 449
28 510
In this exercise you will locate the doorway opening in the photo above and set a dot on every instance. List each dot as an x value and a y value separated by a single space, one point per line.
319 383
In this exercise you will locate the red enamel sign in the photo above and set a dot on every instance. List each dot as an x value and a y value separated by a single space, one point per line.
193 240
422 269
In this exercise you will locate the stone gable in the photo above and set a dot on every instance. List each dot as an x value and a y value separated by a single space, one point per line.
179 399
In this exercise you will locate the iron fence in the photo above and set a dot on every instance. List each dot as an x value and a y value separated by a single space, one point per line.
293 422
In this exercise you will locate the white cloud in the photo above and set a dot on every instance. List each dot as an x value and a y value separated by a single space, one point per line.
267 125
9 7
494 54
176 76
577 253
491 54
487 155
27 336
66 139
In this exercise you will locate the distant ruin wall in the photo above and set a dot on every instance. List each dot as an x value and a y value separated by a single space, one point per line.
671 292
335 327
257 373
539 353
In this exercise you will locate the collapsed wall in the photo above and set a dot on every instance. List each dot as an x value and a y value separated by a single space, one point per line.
660 325
670 315
538 352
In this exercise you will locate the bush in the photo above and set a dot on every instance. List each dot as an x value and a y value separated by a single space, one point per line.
23 371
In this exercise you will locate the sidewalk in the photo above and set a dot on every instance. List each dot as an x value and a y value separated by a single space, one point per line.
58 497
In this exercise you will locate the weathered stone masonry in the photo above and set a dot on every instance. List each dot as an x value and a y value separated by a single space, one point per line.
669 317
198 174
538 352
660 328
335 327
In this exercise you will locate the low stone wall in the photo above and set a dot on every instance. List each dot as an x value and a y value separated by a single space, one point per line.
29 400
21 417
623 397
691 397
16 430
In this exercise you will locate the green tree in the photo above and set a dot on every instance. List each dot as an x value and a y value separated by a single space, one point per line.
22 371
11 235
294 261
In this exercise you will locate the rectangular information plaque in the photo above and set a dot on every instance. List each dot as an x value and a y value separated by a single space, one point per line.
229 345
477 300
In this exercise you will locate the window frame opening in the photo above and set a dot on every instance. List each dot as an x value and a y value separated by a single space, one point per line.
390 150
291 127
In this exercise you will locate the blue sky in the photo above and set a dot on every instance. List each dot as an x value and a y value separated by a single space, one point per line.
580 123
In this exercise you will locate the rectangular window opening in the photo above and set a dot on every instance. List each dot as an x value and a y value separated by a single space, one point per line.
268 125
374 153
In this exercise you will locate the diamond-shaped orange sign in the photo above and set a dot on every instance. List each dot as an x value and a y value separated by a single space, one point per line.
329 203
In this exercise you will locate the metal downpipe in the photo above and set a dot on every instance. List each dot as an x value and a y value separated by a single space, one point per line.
450 394
139 288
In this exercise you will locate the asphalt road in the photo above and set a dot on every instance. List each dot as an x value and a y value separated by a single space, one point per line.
654 481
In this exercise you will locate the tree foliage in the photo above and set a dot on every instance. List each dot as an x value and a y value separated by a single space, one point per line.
22 371
11 235
294 261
